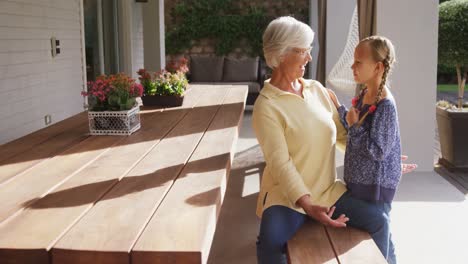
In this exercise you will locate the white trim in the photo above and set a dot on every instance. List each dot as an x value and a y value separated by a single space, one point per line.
313 22
100 36
115 24
83 52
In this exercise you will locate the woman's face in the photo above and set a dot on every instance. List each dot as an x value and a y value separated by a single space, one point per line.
295 60
364 67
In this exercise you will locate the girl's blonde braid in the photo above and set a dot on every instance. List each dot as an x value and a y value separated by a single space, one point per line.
386 64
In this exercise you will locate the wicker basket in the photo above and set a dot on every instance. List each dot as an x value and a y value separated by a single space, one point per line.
114 122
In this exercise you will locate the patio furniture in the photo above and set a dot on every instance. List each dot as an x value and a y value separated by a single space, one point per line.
153 196
315 243
228 71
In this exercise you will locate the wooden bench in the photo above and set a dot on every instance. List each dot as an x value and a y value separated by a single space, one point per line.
110 199
315 243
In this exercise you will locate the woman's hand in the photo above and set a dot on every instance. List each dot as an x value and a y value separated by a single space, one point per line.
321 213
352 117
334 98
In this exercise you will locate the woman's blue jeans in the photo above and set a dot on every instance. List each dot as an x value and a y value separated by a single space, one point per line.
280 223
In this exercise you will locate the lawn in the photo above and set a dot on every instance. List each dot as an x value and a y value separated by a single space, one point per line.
447 87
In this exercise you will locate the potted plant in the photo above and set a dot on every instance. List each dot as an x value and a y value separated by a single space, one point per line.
452 121
112 106
167 87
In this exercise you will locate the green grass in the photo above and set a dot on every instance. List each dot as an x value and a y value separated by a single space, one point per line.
447 88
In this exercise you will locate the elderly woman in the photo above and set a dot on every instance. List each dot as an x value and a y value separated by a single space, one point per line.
298 129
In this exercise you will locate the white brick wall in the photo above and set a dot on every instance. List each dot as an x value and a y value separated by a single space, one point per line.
32 83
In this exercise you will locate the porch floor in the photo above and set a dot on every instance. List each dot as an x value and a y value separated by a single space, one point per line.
428 217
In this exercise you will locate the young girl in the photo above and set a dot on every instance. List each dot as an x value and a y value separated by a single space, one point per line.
372 167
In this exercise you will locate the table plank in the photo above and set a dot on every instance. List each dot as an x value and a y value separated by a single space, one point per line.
311 245
354 246
108 231
46 176
28 142
47 149
182 229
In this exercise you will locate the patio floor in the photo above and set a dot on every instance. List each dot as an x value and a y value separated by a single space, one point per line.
428 217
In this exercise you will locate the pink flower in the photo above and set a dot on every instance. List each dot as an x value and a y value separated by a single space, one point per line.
372 109
354 101
120 85
136 90
141 71
175 65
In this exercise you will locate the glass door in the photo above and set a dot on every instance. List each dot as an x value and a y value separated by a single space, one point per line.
101 37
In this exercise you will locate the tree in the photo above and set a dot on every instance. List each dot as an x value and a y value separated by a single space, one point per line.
453 40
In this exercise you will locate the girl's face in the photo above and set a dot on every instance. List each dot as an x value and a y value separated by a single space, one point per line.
295 60
364 67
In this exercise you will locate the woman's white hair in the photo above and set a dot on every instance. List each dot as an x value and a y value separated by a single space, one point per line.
283 33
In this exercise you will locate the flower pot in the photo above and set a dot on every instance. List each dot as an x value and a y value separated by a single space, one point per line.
453 131
114 122
162 100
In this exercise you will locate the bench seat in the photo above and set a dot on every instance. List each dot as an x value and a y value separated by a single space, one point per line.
315 243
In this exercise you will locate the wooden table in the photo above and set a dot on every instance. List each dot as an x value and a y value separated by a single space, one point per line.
151 197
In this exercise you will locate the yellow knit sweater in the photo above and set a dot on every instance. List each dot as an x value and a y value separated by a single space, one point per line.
298 138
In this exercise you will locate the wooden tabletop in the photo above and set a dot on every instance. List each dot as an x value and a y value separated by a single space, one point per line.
151 197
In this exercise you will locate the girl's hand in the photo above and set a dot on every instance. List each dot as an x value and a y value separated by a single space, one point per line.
322 214
334 98
352 116
405 167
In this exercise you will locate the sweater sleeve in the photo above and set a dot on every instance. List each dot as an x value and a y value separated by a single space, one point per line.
342 112
341 130
379 138
270 135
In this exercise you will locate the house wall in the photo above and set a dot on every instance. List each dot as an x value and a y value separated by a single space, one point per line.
32 83
414 34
